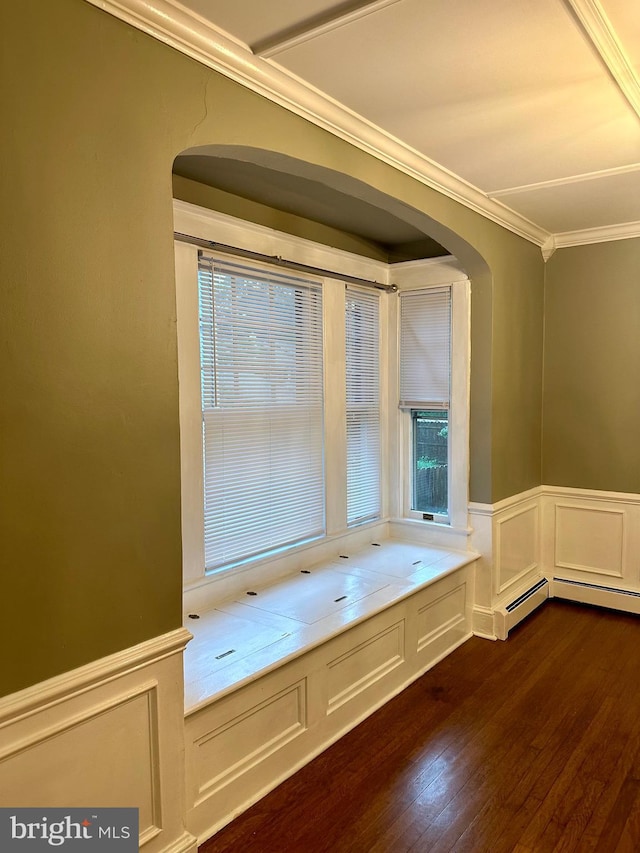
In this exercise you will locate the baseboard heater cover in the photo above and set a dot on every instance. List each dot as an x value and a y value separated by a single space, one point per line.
598 586
627 600
508 616
525 595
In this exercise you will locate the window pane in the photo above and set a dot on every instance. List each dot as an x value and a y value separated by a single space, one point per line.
430 432
262 395
363 406
425 348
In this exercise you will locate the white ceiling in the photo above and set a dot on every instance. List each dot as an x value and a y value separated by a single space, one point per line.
534 105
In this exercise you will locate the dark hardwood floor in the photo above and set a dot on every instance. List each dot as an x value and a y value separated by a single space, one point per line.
528 745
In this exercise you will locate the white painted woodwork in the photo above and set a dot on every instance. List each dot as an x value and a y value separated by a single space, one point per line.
189 378
204 591
252 722
107 734
593 537
363 663
291 615
335 403
117 729
308 598
586 543
414 275
506 618
519 114
517 545
589 539
507 537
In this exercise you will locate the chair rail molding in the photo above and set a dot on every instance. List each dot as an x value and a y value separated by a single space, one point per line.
108 733
585 542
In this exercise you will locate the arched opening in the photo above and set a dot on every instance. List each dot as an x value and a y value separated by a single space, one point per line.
333 208
299 194
377 236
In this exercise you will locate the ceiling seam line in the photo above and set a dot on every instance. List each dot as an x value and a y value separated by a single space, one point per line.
294 36
571 179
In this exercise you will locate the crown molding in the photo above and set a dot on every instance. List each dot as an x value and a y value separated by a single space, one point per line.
602 35
605 234
192 35
548 248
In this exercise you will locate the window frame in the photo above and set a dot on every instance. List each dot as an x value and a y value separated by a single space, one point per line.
202 223
422 275
353 292
231 406
204 590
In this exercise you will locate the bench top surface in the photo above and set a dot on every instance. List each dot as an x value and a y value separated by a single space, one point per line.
263 628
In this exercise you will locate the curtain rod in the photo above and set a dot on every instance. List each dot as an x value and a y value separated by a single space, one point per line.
277 261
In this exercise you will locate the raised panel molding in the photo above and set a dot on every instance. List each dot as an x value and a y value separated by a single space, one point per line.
117 738
443 616
242 742
590 539
517 546
108 734
356 670
559 533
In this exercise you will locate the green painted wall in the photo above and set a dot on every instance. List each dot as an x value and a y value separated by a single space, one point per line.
591 425
251 211
94 113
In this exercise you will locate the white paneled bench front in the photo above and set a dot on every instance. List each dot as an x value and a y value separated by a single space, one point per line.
276 675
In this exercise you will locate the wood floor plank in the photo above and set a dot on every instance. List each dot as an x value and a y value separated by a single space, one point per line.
522 746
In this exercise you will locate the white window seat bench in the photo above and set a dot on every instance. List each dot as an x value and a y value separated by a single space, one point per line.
275 676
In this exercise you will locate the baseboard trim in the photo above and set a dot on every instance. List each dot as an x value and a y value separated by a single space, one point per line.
483 623
187 843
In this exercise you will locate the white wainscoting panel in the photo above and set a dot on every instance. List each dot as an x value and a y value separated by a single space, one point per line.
442 619
108 734
586 543
508 536
481 540
364 664
590 539
517 545
244 742
116 739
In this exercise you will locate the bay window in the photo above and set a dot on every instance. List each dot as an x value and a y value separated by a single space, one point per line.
289 382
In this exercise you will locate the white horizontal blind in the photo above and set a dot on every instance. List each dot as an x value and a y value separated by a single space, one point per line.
363 406
425 348
262 399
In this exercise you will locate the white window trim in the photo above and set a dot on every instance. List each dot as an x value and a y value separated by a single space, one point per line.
419 275
208 225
